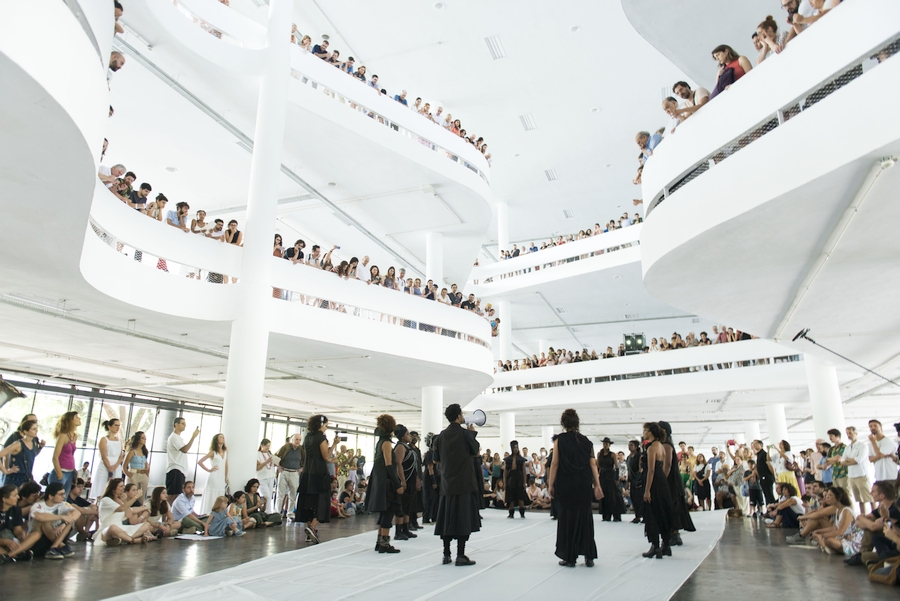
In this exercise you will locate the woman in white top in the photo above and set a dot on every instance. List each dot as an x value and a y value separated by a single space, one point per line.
218 473
536 468
789 508
444 297
781 462
831 539
199 225
771 41
112 507
654 347
111 457
265 472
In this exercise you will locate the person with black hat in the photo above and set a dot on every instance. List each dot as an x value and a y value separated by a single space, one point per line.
682 514
573 475
514 481
658 510
612 505
385 485
457 515
405 460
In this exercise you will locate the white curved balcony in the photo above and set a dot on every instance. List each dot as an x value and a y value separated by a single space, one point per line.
746 365
149 264
573 259
769 208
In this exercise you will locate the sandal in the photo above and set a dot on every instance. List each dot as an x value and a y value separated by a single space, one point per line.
114 542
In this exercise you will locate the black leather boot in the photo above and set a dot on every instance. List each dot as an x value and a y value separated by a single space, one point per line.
399 533
653 552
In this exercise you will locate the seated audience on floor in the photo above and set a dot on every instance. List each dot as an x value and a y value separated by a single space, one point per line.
16 541
183 510
90 513
161 514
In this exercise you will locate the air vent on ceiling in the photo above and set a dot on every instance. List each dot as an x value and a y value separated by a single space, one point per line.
569 213
528 122
551 175
561 310
575 330
631 316
695 320
341 218
708 401
496 47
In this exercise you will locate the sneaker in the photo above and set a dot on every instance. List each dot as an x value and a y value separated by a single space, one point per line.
66 551
5 559
795 539
312 536
25 556
240 533
53 554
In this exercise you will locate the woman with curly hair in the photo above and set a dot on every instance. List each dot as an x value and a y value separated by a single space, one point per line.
385 484
64 452
573 475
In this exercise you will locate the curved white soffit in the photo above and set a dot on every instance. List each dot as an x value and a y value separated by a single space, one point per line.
230 57
65 64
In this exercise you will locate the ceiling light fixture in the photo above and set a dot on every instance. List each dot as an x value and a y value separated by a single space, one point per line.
551 175
496 47
171 169
617 277
528 122
332 184
517 154
595 109
561 310
325 36
439 6
575 29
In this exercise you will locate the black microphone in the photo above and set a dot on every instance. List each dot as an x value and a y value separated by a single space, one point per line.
800 334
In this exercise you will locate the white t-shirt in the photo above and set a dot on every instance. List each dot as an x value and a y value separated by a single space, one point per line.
175 459
216 235
108 514
267 472
779 463
444 299
363 272
43 507
860 452
885 469
798 506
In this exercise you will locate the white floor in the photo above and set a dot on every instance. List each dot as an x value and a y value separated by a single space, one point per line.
515 561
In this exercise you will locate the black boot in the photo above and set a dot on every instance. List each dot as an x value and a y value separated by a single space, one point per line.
666 549
408 532
512 513
653 552
446 540
675 540
385 546
461 559
399 533
522 512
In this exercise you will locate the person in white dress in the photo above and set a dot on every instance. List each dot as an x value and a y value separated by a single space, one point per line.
112 508
111 458
266 463
218 473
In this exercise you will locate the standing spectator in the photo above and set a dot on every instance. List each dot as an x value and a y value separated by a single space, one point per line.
856 458
314 504
111 455
64 452
85 474
265 472
321 50
834 458
116 62
455 297
700 476
138 198
691 100
290 462
217 482
647 142
635 479
137 464
176 461
178 217
401 98
771 41
884 453
21 454
765 471
732 67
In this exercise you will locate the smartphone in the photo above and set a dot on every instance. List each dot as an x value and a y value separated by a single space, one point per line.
344 438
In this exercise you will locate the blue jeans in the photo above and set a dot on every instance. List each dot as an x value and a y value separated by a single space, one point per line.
67 480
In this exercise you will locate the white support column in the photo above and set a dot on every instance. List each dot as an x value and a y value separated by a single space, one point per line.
505 335
507 430
432 410
502 226
740 438
547 433
824 395
544 345
776 423
434 258
245 376
751 431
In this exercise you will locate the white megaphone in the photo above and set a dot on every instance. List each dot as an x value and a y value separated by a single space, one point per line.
478 418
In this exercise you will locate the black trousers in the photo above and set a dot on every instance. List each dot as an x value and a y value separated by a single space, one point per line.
768 483
636 490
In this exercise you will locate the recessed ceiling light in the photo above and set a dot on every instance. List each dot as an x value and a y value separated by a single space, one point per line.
595 109
517 154
332 184
609 165
438 6
325 36
575 29
627 304
617 277
171 169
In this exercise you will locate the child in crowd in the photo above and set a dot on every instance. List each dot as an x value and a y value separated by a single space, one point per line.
220 522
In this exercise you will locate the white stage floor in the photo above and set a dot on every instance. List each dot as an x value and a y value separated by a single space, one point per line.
515 561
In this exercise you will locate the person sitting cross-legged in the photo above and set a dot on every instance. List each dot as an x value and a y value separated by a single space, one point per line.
183 510
112 531
53 517
90 514
15 541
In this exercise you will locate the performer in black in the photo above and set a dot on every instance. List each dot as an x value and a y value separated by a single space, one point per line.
658 509
635 479
314 488
573 474
682 514
418 505
405 460
514 481
431 482
612 505
457 515
385 486
553 502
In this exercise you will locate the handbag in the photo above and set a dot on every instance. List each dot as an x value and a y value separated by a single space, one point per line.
885 572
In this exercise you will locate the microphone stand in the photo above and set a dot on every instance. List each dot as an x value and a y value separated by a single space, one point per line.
803 334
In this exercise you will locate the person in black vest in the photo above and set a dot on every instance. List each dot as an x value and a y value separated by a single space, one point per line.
457 515
514 481
405 460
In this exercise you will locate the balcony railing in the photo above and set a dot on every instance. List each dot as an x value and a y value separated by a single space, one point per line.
787 81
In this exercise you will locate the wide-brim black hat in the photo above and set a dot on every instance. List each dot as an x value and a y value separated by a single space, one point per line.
607 440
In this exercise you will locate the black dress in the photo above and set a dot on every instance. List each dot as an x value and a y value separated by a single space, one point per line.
635 482
573 492
314 488
515 481
612 505
659 512
410 476
430 493
460 499
382 495
682 515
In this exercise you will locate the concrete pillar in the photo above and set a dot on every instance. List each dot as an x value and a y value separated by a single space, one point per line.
824 395
547 433
751 431
245 375
502 226
507 430
434 258
505 335
776 423
544 346
432 410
